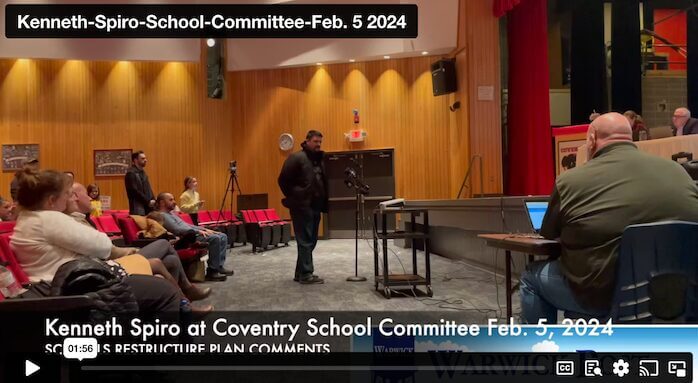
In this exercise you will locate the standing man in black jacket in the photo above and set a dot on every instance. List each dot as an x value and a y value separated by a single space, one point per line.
140 195
303 182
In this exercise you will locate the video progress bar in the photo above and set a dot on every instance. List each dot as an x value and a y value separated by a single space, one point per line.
318 368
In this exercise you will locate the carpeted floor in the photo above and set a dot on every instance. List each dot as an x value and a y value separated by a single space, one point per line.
264 281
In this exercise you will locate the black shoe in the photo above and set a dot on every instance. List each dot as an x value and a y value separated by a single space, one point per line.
313 280
225 271
297 278
215 276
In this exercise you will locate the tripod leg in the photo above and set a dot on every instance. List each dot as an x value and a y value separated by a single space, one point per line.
225 196
237 184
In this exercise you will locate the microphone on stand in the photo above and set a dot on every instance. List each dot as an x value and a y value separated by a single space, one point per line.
350 177
352 181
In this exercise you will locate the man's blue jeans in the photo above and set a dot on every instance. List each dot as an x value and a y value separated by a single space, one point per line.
217 248
545 290
306 222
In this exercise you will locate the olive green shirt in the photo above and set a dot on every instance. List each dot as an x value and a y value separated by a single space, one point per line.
592 204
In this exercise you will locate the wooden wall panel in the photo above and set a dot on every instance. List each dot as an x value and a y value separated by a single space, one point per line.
72 107
396 108
480 36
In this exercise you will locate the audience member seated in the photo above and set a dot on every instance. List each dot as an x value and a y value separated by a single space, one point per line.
31 163
161 255
70 175
93 192
640 131
152 226
682 123
217 242
590 206
7 210
45 238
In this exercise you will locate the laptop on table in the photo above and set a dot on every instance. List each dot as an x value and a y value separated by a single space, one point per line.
535 210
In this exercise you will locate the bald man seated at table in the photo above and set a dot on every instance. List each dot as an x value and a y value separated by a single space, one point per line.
590 206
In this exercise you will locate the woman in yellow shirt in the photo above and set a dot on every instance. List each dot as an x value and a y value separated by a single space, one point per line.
93 192
189 201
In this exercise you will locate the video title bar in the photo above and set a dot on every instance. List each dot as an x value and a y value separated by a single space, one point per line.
217 21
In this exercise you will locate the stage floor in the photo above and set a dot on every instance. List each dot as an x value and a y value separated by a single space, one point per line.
264 281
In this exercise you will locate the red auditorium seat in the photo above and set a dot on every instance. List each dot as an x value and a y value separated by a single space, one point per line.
108 225
259 233
275 227
130 231
7 227
211 225
119 214
216 216
285 225
186 218
72 304
206 218
232 220
97 224
8 256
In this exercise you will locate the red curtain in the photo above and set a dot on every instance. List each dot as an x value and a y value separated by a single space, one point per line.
500 7
529 133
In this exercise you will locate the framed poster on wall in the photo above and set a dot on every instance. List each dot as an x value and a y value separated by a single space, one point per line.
15 156
112 162
566 157
567 141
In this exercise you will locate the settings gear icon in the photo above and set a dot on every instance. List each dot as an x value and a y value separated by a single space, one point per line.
621 368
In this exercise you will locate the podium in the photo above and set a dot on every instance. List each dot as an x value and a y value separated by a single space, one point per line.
386 280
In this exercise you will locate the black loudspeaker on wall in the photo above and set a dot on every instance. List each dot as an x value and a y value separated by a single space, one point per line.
215 68
443 77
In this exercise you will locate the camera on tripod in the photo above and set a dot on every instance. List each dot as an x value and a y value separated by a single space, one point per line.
233 167
352 181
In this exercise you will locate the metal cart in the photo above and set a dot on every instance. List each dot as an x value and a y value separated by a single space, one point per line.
387 280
